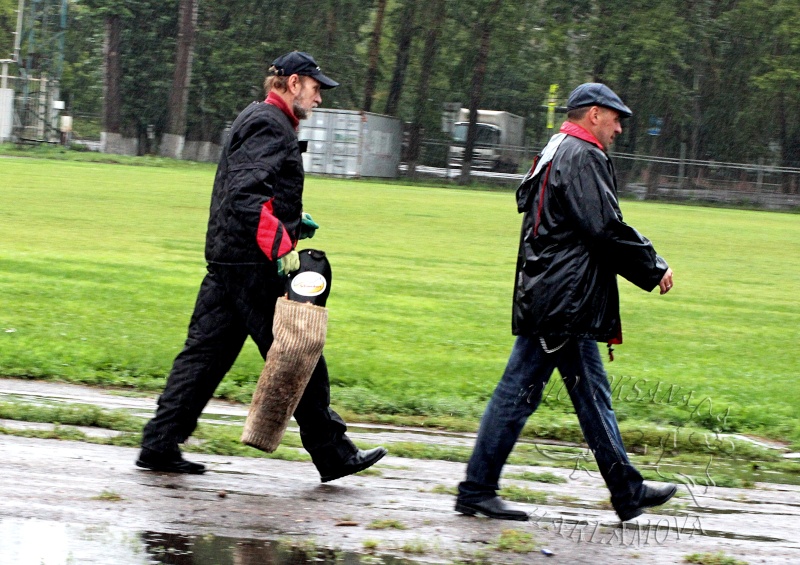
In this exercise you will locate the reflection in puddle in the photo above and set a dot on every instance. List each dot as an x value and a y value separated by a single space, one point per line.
44 542
179 549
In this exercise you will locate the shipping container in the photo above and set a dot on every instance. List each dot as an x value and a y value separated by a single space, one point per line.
350 143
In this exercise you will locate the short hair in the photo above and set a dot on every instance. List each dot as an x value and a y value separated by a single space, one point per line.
578 113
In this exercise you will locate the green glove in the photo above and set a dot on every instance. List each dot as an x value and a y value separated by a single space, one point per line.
288 263
307 226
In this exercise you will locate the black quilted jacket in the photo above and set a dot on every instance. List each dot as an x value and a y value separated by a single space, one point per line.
258 189
574 244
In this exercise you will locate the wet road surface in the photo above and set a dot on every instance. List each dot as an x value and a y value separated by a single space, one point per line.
74 502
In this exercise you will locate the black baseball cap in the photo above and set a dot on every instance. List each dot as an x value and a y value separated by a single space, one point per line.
303 64
597 94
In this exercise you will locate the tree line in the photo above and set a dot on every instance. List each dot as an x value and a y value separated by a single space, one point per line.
720 76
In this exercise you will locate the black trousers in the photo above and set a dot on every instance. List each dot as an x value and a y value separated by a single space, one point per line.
236 301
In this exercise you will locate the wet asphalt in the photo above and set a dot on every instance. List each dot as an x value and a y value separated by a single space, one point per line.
76 502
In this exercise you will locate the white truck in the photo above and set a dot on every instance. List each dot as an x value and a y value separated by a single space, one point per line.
498 146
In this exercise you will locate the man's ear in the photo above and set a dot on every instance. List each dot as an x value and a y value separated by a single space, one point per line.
294 84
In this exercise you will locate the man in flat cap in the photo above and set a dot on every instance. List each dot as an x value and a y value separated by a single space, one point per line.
573 245
255 222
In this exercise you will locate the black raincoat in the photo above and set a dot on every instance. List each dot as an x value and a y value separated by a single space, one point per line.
574 244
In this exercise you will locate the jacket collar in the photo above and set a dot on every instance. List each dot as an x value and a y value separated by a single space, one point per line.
581 133
280 103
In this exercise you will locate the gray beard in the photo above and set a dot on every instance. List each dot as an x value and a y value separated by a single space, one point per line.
300 112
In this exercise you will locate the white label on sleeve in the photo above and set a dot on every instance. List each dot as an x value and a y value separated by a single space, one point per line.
309 283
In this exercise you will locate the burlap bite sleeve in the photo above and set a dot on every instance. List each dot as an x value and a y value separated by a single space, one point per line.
299 336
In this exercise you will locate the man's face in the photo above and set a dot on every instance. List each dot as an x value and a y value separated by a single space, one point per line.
307 98
608 124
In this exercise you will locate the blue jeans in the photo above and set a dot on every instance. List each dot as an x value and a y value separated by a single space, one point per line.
517 396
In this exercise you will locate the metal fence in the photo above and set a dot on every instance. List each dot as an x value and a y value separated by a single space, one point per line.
648 177
756 184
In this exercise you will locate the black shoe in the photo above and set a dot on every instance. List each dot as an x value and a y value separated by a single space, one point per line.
651 496
491 508
171 462
359 461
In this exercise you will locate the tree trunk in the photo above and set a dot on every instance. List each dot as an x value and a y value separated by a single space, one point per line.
404 37
373 56
330 26
112 76
655 168
790 155
476 90
174 136
653 171
437 10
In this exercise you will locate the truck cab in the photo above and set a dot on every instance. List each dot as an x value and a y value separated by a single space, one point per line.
497 143
484 156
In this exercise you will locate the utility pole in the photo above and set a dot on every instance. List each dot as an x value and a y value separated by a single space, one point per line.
39 57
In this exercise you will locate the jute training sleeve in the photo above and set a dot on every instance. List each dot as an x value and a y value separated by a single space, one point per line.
299 335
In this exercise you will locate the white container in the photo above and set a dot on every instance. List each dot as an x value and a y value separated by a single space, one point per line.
6 113
351 143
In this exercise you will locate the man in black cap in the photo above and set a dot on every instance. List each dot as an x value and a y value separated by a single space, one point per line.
255 222
573 245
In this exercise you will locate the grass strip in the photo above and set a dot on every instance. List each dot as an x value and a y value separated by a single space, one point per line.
733 469
100 264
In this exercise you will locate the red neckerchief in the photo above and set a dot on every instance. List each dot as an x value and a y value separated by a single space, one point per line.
279 102
577 131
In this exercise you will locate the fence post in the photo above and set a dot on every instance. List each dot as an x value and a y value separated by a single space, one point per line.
760 174
682 165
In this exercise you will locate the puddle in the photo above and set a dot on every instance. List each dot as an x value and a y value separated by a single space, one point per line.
769 502
710 510
44 542
743 537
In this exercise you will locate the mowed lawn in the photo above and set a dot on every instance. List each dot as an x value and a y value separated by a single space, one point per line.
100 265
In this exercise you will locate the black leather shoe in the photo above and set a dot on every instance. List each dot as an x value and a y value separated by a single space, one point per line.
359 461
168 462
651 496
491 508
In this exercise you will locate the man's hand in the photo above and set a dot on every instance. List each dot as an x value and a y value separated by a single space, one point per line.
666 281
308 226
288 263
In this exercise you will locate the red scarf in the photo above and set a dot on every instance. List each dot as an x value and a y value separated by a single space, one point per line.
279 102
581 133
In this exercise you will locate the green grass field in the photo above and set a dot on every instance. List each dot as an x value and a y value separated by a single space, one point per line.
100 265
